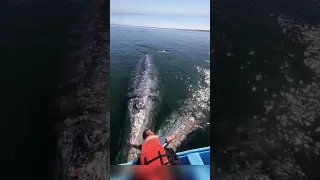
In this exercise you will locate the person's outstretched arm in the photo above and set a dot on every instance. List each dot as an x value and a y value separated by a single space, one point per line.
170 138
135 145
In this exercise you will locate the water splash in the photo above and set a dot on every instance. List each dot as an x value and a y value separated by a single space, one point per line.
193 115
163 51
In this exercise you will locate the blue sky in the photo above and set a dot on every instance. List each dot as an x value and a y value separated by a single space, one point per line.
182 14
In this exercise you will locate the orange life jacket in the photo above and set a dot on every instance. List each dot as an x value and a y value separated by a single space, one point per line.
152 152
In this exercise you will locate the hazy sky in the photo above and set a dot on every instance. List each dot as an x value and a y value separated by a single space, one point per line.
183 14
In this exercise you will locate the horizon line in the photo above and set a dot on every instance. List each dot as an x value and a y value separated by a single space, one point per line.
203 30
159 14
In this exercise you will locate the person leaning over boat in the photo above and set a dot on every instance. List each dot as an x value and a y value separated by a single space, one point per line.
153 151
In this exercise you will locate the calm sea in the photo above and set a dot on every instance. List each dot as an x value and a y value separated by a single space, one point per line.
180 59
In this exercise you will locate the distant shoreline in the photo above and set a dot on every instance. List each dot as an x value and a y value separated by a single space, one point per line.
203 30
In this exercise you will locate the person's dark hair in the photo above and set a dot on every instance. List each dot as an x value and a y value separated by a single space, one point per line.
146 133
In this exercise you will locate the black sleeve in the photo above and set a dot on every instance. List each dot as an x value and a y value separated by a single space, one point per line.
140 146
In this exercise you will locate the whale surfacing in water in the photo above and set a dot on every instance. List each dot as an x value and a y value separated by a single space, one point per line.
143 95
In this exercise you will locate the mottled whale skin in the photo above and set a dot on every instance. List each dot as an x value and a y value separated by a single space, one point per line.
143 96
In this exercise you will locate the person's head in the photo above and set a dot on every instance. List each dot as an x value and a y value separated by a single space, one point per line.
146 133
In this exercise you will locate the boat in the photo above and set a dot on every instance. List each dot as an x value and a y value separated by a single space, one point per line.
199 156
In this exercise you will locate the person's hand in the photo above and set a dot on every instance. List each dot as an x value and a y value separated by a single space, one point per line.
131 143
170 138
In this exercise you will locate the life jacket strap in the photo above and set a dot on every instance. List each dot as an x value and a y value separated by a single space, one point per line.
160 156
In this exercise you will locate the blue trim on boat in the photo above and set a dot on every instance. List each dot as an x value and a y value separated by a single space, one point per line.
195 159
198 150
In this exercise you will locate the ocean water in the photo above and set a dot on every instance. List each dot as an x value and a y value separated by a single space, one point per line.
181 66
266 89
56 53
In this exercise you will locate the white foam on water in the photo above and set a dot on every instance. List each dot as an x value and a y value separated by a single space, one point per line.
192 115
252 53
303 103
229 54
296 111
163 51
289 125
254 89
